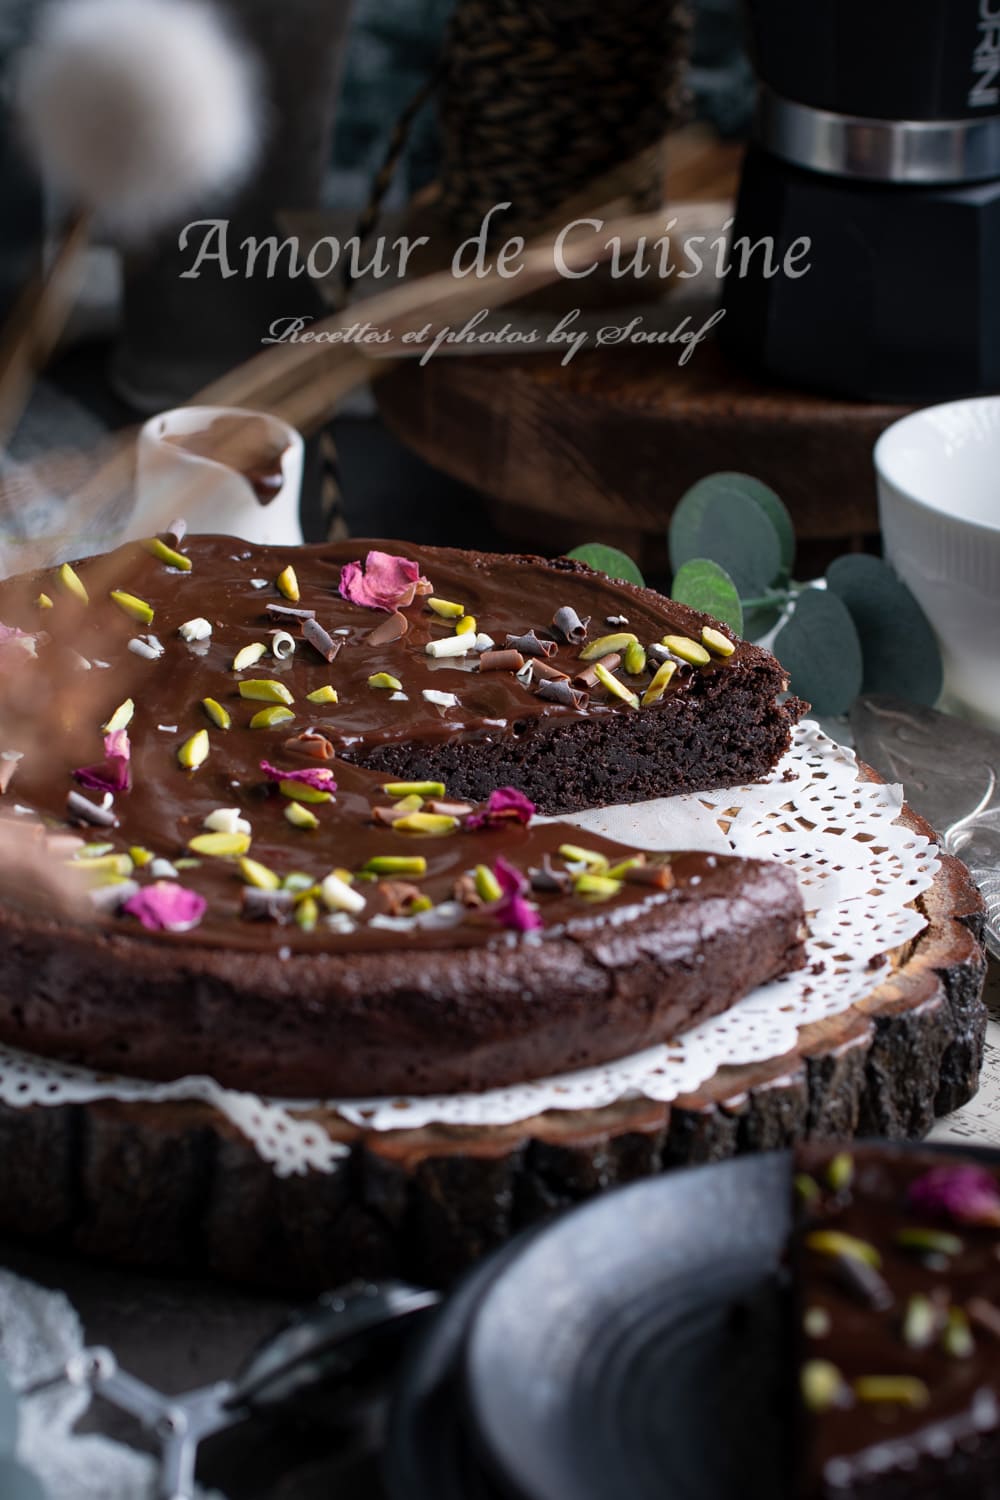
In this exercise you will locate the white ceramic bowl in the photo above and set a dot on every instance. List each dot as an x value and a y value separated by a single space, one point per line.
939 503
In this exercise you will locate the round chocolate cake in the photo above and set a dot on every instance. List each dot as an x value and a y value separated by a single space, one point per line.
283 805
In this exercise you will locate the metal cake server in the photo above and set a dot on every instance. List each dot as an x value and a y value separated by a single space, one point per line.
950 771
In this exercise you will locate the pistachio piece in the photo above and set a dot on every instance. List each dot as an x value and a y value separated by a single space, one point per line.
267 718
929 1241
414 788
576 854
920 1322
265 690
249 656
136 609
686 649
121 718
141 857
716 641
385 680
167 554
467 626
73 584
840 1172
834 1242
194 752
256 874
325 694
301 817
107 865
816 1322
220 845
807 1189
298 882
288 584
433 824
446 608
307 914
615 688
592 887
44 602
661 681
957 1338
301 791
898 1390
823 1386
607 643
226 820
488 887
221 717
396 864
635 659
339 895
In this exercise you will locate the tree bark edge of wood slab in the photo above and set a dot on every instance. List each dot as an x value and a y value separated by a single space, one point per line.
176 1188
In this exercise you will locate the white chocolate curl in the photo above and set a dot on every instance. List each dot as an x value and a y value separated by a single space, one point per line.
282 644
198 629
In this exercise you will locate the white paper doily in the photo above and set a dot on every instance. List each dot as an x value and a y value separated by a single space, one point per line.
858 869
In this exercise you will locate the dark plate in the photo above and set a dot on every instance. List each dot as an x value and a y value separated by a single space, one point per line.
637 1348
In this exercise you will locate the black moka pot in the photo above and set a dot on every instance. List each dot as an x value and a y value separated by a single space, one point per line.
877 139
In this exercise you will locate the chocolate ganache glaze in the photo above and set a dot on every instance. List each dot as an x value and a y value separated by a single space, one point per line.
898 1300
492 953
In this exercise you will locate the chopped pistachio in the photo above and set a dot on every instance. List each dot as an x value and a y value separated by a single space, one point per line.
899 1390
687 650
93 851
136 609
419 904
920 1322
118 865
220 845
299 883
660 683
194 752
635 659
226 820
254 873
249 656
834 1242
301 817
596 887
840 1172
716 641
167 554
445 608
385 680
414 789
339 895
121 718
396 864
288 584
806 1187
186 864
467 626
616 688
620 871
433 824
823 1386
265 690
325 694
307 913
575 854
929 1241
605 644
451 645
267 718
300 791
44 602
957 1338
488 887
73 584
816 1322
219 716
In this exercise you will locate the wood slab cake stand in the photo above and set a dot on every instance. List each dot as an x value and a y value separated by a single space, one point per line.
176 1187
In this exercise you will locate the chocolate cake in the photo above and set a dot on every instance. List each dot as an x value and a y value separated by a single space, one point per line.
308 854
898 1292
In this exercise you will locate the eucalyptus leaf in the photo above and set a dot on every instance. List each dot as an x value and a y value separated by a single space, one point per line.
703 585
759 619
901 653
719 521
608 560
819 648
772 505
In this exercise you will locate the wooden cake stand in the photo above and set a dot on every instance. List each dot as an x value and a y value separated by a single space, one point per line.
175 1186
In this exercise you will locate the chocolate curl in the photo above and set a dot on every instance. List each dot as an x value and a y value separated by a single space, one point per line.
464 891
176 532
501 661
290 612
385 815
398 895
661 877
570 626
82 810
546 878
542 672
388 630
530 645
310 744
564 693
588 678
9 760
447 809
319 640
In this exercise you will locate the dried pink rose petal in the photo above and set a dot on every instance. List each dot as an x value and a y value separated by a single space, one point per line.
969 1195
387 582
506 804
12 635
512 910
166 906
114 773
320 778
